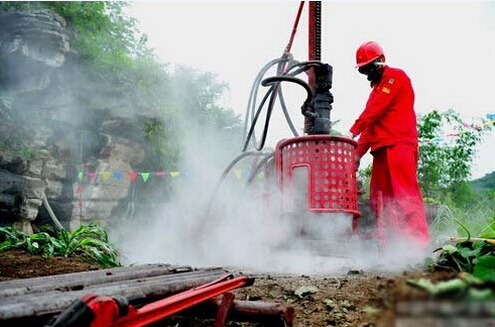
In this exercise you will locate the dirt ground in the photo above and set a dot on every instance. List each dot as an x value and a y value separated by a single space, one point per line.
355 299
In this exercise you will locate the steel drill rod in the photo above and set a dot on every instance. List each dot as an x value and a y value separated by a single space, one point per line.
74 281
54 301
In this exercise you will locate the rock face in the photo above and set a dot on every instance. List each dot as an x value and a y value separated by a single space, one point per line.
31 45
43 148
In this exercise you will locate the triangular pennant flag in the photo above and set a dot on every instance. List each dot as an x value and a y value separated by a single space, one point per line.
105 175
145 176
92 175
187 174
133 176
80 176
174 173
118 175
160 174
237 173
261 176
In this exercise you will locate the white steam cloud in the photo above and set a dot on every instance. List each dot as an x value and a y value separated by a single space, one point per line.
245 228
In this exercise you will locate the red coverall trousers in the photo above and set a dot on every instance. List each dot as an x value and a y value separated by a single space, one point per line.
394 175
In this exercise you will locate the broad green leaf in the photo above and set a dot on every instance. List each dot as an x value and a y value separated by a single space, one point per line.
489 230
468 253
485 268
6 245
450 249
485 294
455 285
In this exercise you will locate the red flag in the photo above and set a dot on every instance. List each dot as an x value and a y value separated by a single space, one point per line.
133 176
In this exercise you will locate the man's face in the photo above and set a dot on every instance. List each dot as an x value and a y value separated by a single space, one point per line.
373 71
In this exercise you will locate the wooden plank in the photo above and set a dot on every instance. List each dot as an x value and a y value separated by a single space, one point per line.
28 305
75 281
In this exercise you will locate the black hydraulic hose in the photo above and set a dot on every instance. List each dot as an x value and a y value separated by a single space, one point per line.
286 113
259 166
271 103
303 66
274 92
227 170
280 71
250 109
270 81
274 83
269 110
255 119
252 102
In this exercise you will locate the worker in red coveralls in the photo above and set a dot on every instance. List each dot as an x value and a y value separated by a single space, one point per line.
387 126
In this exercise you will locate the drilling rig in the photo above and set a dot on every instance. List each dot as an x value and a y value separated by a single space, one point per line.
314 174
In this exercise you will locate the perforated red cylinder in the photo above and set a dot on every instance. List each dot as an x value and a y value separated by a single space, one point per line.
331 169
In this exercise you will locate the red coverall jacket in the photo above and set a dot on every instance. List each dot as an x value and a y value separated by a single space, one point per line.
388 126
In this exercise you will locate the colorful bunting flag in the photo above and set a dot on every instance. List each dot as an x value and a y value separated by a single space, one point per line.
105 175
133 176
145 176
92 175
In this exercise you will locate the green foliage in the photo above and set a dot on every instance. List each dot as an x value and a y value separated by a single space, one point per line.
473 259
163 146
472 256
485 268
103 35
486 183
465 287
113 69
89 241
11 238
444 170
198 93
446 165
461 257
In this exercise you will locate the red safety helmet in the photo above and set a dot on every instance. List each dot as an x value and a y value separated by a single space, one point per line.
368 52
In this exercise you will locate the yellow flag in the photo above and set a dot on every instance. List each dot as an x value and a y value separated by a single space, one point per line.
105 175
174 173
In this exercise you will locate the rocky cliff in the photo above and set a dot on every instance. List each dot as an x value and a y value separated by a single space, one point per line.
47 134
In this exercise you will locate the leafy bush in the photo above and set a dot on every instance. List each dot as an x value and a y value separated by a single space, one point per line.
474 261
469 256
89 241
445 162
